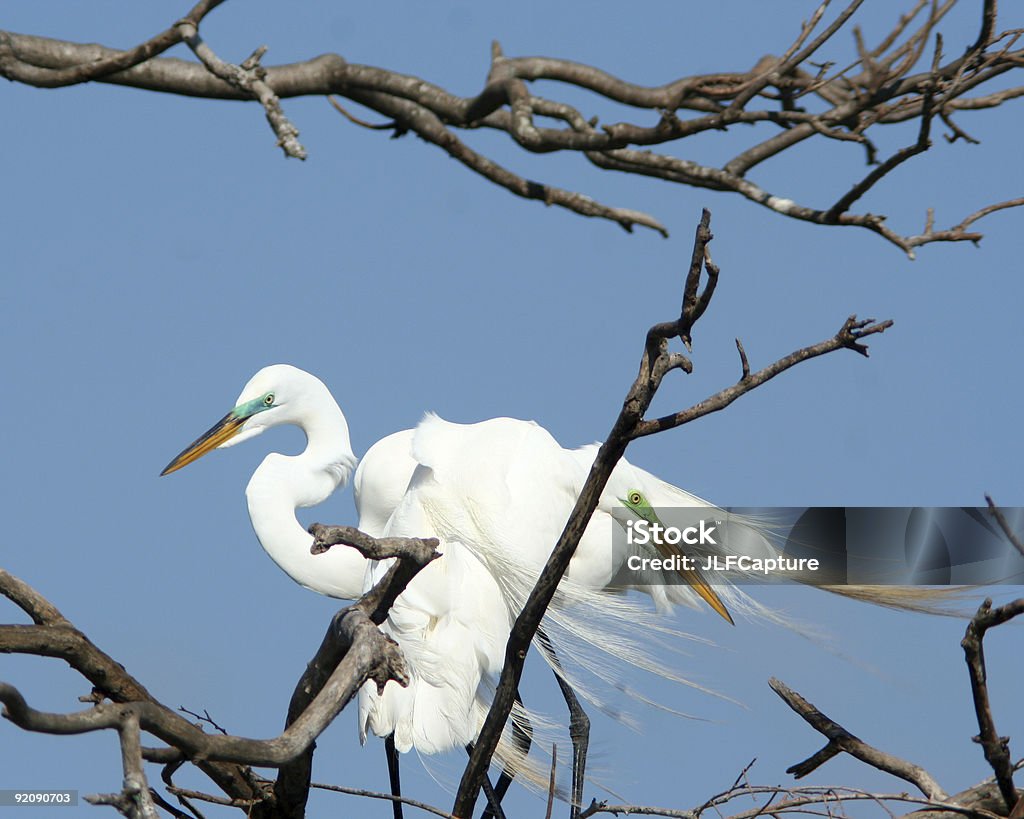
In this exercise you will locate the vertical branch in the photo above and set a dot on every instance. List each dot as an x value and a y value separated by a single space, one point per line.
995 747
135 800
135 785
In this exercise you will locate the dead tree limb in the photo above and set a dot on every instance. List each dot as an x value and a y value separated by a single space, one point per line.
353 651
840 740
103 63
784 100
656 362
995 747
52 635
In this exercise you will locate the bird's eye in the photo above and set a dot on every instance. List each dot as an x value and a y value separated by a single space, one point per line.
268 399
635 497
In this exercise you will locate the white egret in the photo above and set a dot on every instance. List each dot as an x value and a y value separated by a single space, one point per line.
497 494
455 600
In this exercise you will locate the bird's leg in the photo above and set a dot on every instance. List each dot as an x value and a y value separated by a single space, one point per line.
522 735
579 727
579 733
493 801
396 781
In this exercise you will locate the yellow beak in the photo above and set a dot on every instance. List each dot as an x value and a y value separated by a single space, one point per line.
226 428
695 579
710 596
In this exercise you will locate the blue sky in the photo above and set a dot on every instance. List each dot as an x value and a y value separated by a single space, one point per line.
158 251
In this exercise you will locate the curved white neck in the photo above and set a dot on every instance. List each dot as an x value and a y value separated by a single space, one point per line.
282 483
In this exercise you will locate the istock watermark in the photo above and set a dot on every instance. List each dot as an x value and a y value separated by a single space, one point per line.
933 546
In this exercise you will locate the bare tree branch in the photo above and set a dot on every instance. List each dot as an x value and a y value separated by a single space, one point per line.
802 801
995 747
848 337
291 789
54 636
802 99
414 554
249 79
134 801
100 67
353 650
840 740
370 655
413 803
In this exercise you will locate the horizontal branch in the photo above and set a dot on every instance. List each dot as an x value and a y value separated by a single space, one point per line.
801 801
789 93
369 655
413 803
99 67
413 555
353 651
54 636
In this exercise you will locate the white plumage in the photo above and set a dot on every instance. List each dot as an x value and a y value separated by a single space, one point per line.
497 494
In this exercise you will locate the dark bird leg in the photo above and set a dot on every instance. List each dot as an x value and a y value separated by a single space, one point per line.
396 781
579 728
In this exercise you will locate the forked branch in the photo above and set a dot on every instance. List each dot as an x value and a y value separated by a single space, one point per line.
840 740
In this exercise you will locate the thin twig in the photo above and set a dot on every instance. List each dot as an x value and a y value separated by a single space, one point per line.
412 803
744 364
362 123
551 782
1004 524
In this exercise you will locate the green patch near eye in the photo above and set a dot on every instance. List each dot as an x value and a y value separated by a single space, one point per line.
250 408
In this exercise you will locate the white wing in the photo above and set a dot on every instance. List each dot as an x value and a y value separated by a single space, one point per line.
504 490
